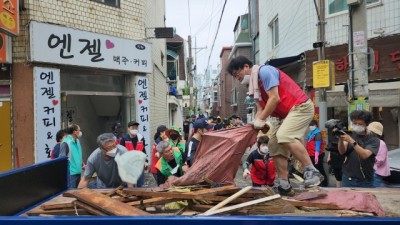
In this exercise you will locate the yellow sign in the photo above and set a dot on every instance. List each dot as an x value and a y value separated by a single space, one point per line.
321 78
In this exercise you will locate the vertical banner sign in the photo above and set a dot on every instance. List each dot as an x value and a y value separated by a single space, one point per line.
9 16
47 110
143 109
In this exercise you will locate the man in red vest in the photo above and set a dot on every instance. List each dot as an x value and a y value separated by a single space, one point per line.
279 96
134 141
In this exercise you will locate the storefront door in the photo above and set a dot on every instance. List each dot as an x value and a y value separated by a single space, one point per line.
5 137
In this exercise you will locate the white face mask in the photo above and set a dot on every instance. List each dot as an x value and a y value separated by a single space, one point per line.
80 134
246 79
312 128
112 153
134 132
357 128
264 149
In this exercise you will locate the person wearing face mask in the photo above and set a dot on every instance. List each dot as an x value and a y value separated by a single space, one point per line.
278 95
315 146
219 124
201 126
262 170
134 141
155 156
175 139
360 150
170 164
71 147
102 162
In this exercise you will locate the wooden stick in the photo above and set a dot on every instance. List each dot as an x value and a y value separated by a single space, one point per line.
238 206
226 201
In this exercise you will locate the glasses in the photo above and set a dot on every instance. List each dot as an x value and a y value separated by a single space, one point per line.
236 73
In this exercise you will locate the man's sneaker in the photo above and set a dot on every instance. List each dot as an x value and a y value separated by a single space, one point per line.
312 178
286 192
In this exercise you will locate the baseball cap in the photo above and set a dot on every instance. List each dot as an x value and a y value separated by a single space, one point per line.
202 123
133 123
161 128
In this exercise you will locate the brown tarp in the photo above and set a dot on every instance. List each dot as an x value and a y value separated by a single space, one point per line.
218 156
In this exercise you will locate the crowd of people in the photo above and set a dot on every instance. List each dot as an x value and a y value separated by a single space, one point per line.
358 159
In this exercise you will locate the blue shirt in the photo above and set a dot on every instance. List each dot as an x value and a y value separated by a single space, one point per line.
269 77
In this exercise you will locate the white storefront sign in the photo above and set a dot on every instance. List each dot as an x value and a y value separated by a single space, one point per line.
47 110
62 45
143 109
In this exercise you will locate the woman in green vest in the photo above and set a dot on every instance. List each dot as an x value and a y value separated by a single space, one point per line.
175 139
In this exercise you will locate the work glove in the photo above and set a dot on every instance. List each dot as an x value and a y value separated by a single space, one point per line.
316 158
259 124
246 173
157 155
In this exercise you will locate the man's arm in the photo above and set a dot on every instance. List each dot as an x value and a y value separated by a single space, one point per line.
271 104
64 149
84 182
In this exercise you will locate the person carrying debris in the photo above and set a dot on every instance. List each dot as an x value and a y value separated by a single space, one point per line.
170 164
201 126
262 171
102 162
279 96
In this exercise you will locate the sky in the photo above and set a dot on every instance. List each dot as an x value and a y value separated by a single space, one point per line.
202 25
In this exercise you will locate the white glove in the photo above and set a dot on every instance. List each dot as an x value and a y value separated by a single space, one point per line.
157 155
246 173
259 124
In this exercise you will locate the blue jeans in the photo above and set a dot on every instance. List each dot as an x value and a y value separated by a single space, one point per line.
140 181
377 180
74 180
354 182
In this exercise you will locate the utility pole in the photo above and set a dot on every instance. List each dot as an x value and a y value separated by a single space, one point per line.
358 52
323 106
190 73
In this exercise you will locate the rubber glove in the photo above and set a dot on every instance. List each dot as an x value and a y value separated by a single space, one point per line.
246 173
259 124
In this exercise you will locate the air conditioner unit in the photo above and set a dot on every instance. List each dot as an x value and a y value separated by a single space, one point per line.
354 2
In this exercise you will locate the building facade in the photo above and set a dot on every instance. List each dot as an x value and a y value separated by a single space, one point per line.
89 63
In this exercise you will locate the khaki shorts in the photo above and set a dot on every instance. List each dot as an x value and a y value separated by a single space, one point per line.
290 129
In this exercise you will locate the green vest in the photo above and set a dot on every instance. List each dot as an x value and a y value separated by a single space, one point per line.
165 168
180 145
74 155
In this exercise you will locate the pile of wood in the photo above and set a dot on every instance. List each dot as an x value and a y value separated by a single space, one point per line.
195 200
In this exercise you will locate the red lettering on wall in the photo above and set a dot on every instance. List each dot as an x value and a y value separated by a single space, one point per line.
395 57
342 64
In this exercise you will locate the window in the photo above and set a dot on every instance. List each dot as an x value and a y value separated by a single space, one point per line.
109 2
215 97
172 72
336 6
274 28
234 97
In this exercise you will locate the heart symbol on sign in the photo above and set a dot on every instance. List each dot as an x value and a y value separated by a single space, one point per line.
55 102
109 44
140 101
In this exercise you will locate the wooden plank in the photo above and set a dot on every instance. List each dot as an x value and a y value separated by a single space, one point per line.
151 201
238 206
58 203
314 204
228 200
224 190
105 204
90 209
180 195
58 212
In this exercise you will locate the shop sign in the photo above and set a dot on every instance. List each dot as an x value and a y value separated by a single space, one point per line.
9 16
47 110
142 104
5 49
61 45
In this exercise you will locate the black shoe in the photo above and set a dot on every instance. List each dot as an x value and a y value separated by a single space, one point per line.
286 192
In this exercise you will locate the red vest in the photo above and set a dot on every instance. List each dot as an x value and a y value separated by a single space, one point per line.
290 94
262 175
310 146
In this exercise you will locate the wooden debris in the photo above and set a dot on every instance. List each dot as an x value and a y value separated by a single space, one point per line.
105 204
226 201
90 209
235 207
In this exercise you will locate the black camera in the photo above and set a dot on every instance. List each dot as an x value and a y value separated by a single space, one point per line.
340 127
